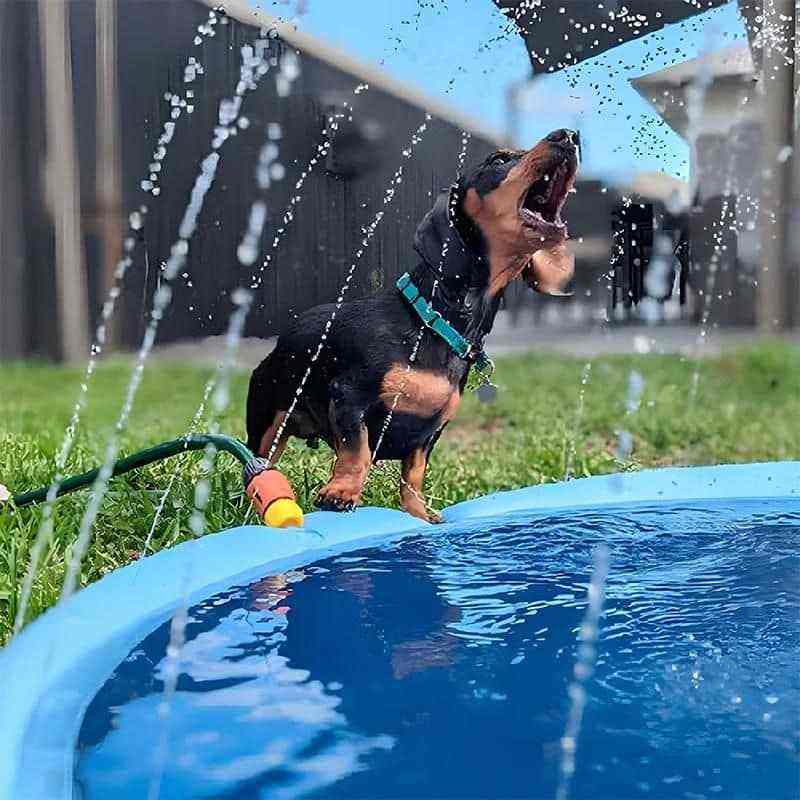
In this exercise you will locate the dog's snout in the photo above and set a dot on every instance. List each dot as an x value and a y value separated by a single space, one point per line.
563 136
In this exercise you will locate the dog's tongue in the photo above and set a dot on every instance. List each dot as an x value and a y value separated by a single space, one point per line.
551 269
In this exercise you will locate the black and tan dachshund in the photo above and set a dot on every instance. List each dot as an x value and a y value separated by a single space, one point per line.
499 222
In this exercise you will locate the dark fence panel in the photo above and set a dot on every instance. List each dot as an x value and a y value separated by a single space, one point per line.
155 38
340 198
317 251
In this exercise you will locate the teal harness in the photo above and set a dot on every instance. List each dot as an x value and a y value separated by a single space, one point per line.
432 319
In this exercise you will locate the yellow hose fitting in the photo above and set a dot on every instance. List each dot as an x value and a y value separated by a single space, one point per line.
283 513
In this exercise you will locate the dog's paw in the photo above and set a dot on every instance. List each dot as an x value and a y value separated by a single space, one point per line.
337 497
325 503
420 512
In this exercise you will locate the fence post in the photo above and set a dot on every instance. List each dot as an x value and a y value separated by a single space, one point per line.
793 238
775 288
107 189
63 190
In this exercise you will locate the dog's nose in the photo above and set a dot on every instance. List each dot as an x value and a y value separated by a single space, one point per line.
563 136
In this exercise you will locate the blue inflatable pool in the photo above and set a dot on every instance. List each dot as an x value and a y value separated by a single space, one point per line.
371 655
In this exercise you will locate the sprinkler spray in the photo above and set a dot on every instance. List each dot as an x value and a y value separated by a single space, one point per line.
268 490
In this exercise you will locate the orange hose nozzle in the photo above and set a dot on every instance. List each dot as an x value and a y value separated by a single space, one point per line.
267 487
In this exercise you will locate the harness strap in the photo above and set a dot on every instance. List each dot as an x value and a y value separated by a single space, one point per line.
432 319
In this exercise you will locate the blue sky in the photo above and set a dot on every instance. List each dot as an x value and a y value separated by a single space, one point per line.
461 52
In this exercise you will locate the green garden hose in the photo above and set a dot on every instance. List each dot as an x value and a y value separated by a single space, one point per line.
174 447
268 490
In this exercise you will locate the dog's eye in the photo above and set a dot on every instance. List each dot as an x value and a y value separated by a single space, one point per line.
500 158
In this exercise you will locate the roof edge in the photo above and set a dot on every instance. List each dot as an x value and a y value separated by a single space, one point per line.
241 11
732 61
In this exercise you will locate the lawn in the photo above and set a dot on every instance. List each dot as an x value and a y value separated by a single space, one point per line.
746 408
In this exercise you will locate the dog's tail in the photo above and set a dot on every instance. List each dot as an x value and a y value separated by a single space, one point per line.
261 407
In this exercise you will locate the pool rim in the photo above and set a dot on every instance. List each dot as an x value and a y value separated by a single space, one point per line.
94 629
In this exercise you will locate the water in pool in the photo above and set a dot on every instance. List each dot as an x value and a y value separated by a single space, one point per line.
439 666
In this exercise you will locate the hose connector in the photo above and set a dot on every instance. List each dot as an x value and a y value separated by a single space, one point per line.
271 495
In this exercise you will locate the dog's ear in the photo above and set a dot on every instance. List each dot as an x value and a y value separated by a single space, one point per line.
550 270
439 238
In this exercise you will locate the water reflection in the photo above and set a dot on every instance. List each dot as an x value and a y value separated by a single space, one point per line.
241 713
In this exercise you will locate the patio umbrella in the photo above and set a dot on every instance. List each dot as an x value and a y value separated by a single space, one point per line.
561 33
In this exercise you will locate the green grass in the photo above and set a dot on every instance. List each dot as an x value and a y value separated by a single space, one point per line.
746 409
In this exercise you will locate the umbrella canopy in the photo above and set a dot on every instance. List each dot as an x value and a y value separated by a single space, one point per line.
561 33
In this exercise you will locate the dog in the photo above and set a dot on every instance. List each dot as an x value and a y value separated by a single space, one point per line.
363 396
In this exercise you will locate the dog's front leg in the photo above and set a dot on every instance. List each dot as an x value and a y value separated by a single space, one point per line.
353 457
413 476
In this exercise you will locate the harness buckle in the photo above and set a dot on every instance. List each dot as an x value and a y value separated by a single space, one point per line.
403 281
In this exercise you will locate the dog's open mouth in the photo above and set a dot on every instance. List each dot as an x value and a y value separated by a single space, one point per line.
541 205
